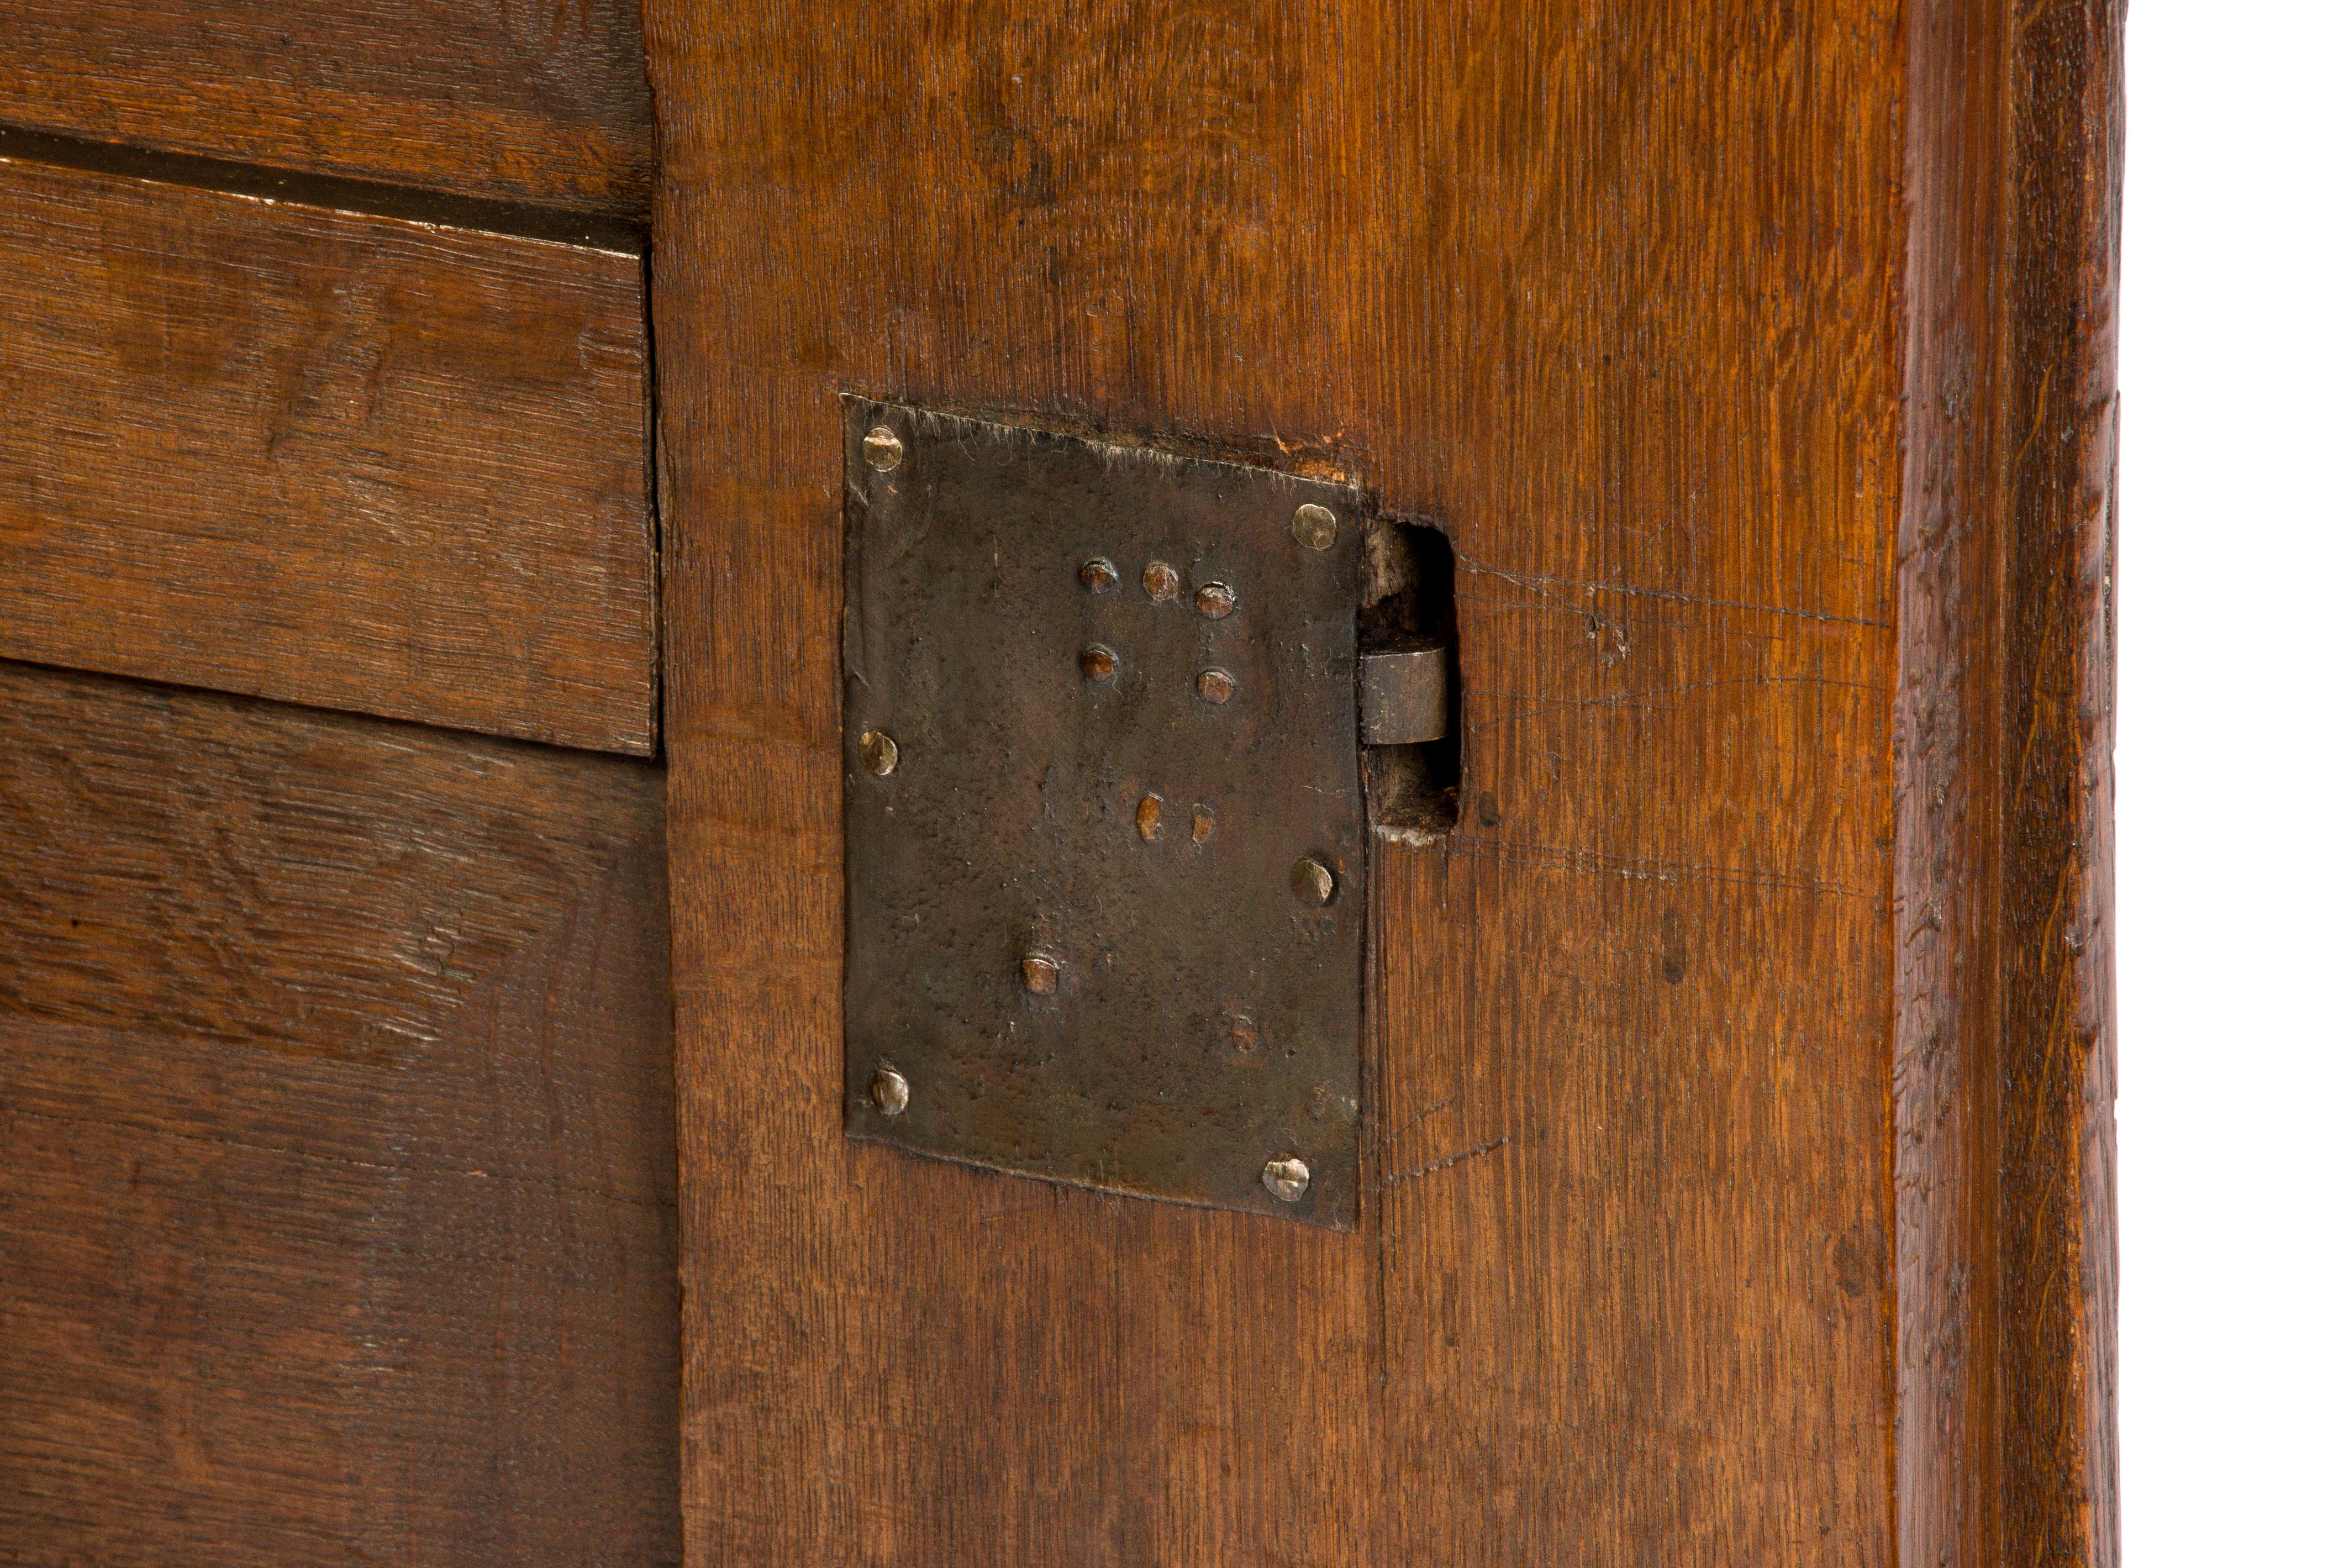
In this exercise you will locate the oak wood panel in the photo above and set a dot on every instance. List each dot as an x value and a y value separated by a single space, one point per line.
343 460
2005 1049
337 1181
1614 296
540 100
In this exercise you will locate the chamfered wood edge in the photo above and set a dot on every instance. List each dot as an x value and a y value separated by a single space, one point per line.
763 1476
2002 946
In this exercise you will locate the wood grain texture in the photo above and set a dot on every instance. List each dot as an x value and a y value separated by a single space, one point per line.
1950 793
336 1202
539 101
1614 296
2004 727
348 461
2060 418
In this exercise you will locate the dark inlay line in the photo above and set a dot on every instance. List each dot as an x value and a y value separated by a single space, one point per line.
332 192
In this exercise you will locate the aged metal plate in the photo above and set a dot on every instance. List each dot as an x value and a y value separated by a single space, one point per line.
1079 929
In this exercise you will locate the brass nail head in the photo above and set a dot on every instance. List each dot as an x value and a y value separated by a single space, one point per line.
1098 663
1098 575
1216 685
1161 581
1215 601
1316 526
890 1092
1288 1178
880 752
883 449
1039 974
1313 881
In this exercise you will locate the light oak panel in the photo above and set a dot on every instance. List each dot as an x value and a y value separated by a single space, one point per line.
1613 295
1742 1071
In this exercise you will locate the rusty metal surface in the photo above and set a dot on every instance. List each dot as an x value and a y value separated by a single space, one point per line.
1407 694
1117 691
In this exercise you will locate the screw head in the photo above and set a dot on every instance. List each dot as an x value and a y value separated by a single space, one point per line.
1217 685
883 449
1215 601
1316 528
1312 880
1039 974
1161 581
890 1092
880 752
1098 575
1098 663
1286 1179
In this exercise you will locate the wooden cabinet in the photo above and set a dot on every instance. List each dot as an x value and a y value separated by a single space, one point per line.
381 786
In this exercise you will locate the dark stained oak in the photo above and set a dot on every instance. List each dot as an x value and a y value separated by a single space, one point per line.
1669 1078
355 462
2059 429
336 1182
535 100
2003 1041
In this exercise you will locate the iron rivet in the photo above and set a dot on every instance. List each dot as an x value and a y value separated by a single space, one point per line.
1316 528
1313 881
1287 1179
882 448
1217 601
1161 581
880 752
1216 685
1145 818
1098 575
1098 663
1039 974
891 1093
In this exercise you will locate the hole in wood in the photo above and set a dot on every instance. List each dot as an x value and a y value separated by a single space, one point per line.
1407 597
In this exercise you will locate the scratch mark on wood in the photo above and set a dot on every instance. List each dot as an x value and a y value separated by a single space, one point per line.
1543 586
1421 1117
1397 1179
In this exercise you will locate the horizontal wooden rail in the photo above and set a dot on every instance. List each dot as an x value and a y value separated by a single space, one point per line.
353 460
539 101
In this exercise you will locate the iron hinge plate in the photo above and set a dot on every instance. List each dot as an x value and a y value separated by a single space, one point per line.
1104 816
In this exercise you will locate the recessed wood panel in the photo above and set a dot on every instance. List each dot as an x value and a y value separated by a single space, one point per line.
539 101
336 1154
355 462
